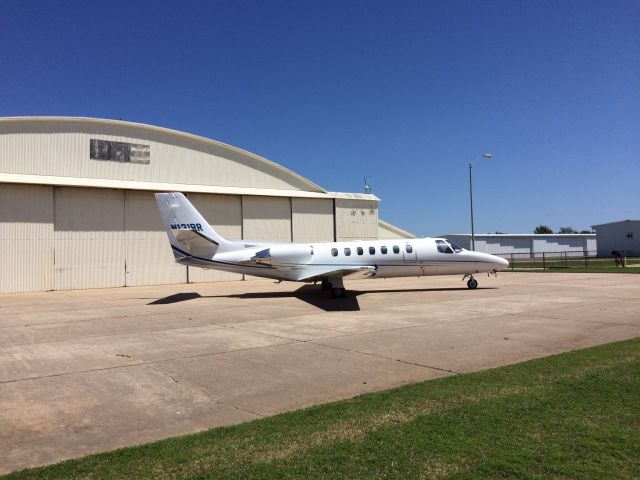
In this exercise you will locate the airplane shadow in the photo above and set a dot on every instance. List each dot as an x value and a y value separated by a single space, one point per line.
178 297
311 294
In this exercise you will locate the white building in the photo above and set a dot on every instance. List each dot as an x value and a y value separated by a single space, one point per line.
77 207
529 244
622 236
386 230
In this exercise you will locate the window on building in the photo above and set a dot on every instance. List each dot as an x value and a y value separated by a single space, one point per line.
359 250
334 252
383 250
372 250
396 249
442 247
347 251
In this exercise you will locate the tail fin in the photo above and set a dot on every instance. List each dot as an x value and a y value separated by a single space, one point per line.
189 233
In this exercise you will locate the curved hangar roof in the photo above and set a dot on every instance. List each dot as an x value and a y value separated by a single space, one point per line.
95 152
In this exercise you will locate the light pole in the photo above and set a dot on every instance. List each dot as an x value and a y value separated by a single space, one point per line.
484 155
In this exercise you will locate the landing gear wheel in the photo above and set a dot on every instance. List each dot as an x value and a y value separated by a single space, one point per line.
472 283
326 285
338 292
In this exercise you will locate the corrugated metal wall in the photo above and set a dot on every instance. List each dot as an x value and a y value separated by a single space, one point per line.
356 220
503 245
60 147
89 238
312 220
149 260
559 244
224 213
622 236
26 238
266 218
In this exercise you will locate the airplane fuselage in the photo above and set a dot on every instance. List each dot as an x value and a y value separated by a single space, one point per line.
390 258
194 242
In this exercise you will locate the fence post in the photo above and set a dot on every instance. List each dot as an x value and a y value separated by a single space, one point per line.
586 260
544 262
512 261
566 265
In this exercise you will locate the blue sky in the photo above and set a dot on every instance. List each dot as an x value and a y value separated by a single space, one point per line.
407 92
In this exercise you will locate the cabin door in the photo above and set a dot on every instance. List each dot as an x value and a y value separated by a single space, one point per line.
409 253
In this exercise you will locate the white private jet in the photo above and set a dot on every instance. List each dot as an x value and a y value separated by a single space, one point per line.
196 243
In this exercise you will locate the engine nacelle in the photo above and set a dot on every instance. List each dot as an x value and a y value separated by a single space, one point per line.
284 254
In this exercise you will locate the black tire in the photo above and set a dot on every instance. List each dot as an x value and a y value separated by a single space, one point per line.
326 285
472 283
338 292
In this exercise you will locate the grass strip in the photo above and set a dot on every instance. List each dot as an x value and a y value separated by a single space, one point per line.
574 415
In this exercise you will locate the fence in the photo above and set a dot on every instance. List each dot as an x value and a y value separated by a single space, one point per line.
562 260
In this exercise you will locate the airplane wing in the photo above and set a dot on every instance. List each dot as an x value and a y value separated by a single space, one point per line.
319 273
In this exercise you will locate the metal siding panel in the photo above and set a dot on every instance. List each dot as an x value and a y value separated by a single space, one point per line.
61 148
356 219
224 214
614 237
503 245
266 218
312 220
558 244
26 238
149 259
89 238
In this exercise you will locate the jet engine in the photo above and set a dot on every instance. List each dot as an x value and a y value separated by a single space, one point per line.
284 254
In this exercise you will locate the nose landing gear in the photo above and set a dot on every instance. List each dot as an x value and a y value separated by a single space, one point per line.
471 283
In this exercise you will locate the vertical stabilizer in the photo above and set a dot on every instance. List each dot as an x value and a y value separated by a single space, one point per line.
189 233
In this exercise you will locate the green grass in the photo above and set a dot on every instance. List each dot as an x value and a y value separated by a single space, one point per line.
575 415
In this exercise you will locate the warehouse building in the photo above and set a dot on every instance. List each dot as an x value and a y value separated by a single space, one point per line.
622 236
529 244
77 208
386 230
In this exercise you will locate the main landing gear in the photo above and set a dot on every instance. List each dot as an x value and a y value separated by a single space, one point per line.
472 282
336 286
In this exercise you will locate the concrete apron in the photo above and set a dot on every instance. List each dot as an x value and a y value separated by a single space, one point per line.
93 370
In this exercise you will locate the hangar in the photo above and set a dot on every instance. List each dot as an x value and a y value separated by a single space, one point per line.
77 207
623 236
528 244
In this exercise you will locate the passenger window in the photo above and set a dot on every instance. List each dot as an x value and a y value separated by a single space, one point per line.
443 247
383 250
347 251
372 250
334 252
409 249
360 250
396 249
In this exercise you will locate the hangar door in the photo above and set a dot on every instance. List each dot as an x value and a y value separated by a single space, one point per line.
266 218
149 260
224 214
89 238
312 220
356 219
26 238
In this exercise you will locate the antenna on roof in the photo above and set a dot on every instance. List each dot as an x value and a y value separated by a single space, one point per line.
367 187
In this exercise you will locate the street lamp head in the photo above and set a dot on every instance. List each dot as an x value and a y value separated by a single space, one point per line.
487 155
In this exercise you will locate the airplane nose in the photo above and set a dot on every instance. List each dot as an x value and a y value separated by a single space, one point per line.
502 263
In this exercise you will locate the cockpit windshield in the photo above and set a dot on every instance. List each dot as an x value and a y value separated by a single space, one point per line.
443 247
456 248
448 246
